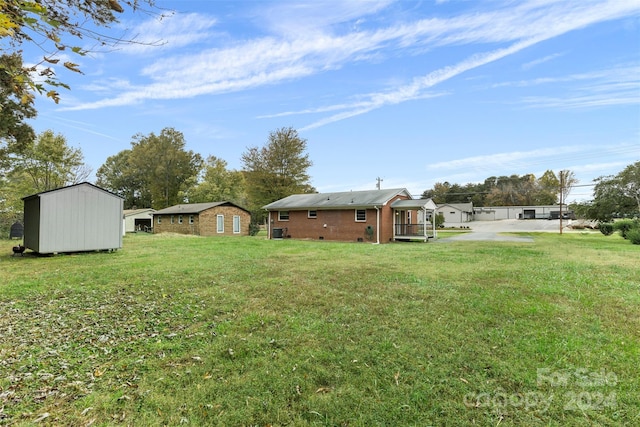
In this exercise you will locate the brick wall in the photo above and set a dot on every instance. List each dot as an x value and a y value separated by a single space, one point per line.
204 223
337 224
208 221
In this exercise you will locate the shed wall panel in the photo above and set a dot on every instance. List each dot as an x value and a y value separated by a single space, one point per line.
32 223
79 218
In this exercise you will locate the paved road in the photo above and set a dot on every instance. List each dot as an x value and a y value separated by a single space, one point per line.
491 230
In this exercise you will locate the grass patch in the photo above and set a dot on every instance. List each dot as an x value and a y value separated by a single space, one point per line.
245 331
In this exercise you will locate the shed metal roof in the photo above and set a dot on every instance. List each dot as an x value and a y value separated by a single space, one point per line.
341 200
129 212
80 184
193 208
464 207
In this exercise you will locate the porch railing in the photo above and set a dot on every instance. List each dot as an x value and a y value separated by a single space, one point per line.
412 230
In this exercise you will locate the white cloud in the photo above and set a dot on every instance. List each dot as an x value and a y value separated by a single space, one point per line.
539 61
278 58
561 157
171 31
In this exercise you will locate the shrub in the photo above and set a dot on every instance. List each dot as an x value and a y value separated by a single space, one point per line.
633 236
606 228
625 225
254 228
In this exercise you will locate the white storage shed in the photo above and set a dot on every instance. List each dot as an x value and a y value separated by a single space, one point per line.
77 218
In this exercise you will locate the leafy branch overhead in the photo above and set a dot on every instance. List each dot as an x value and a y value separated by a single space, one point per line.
48 25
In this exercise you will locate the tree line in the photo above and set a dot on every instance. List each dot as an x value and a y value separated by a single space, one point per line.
513 190
157 172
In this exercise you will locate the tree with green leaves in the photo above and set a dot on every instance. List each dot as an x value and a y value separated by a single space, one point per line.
158 171
278 169
118 176
48 163
499 191
630 183
615 196
52 26
567 181
219 184
14 132
548 188
43 164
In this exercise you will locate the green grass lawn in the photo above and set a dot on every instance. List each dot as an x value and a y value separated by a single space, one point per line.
245 331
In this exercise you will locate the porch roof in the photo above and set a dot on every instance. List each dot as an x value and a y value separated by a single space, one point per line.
427 204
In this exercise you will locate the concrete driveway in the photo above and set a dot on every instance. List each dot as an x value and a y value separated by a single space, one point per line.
491 230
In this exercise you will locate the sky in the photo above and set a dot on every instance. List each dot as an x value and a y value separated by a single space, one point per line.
411 92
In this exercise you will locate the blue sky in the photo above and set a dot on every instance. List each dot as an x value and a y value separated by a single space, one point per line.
413 92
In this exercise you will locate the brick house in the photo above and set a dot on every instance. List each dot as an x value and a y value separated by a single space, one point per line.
203 219
375 216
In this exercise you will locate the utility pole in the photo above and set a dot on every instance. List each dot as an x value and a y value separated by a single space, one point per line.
378 181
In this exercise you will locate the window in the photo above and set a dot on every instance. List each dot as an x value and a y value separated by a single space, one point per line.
159 219
220 220
236 224
312 214
190 219
179 219
361 215
171 219
283 215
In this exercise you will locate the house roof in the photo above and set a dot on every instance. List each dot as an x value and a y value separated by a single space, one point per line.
193 208
414 204
86 184
341 200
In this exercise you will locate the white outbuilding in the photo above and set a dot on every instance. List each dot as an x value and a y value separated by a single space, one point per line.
77 218
138 220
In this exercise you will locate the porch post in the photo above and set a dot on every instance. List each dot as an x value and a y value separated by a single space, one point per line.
433 223
424 223
377 225
269 226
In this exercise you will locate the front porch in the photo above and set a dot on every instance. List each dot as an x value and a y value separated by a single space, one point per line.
414 220
414 232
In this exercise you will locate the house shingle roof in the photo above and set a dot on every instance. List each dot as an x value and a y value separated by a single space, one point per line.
192 208
341 200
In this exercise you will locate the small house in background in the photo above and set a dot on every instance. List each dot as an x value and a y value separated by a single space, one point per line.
77 218
203 219
375 216
456 213
138 220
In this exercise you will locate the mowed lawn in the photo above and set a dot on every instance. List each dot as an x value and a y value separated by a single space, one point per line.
175 330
